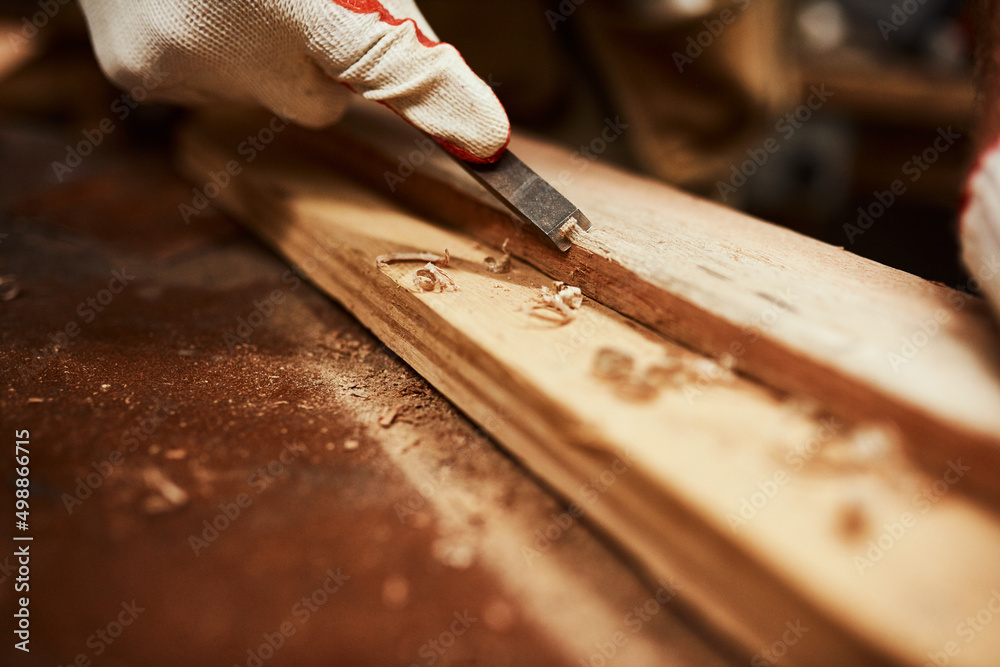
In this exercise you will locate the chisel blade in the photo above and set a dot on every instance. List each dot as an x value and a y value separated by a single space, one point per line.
530 197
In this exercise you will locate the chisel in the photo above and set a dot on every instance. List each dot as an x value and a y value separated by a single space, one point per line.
530 197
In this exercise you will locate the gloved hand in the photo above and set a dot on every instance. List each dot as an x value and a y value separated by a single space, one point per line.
289 55
980 226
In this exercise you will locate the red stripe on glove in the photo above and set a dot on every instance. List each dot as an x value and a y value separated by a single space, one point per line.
375 7
463 154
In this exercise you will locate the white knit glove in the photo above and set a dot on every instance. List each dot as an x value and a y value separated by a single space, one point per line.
980 227
289 55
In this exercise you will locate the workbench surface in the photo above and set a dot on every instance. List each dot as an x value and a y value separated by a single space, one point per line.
227 469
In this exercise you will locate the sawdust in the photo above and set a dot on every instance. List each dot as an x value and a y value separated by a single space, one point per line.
395 592
613 365
852 522
498 615
865 447
630 382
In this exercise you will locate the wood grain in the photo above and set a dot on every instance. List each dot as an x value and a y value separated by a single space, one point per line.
759 505
802 316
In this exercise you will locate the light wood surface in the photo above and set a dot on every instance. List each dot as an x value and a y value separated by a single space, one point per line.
767 510
802 316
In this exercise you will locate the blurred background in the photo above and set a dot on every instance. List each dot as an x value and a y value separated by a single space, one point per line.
805 113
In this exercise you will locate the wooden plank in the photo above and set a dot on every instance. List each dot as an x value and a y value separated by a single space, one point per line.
802 316
770 514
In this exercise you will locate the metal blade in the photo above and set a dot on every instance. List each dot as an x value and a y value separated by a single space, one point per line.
530 197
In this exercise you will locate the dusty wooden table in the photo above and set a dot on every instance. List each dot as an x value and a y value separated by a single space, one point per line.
227 469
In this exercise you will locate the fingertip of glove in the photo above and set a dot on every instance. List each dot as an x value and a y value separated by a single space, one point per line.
968 195
468 156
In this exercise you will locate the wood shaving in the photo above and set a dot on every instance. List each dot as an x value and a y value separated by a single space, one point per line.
618 369
388 416
562 298
492 265
10 288
169 495
852 521
383 261
611 364
432 279
668 372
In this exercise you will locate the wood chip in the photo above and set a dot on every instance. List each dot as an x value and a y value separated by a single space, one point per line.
171 495
561 298
383 261
388 416
502 265
611 364
10 288
432 279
